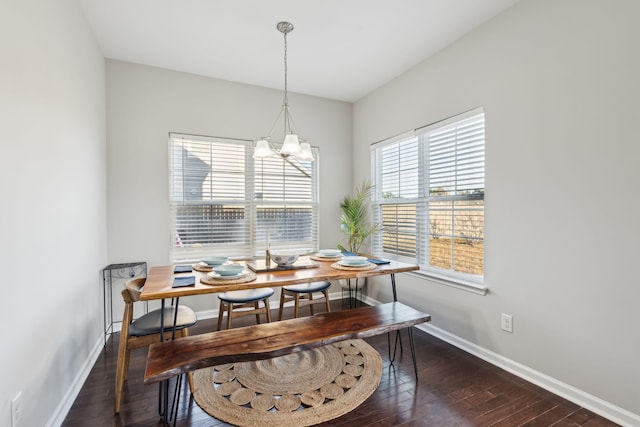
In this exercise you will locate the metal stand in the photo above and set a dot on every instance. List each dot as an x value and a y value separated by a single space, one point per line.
117 271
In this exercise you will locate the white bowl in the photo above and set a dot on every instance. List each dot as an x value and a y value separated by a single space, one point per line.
215 260
228 269
354 260
284 258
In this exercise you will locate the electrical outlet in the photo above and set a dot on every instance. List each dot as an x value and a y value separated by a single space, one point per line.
16 410
506 322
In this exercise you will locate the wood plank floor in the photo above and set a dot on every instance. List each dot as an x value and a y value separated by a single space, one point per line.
454 389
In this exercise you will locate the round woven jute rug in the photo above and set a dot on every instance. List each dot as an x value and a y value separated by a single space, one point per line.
299 389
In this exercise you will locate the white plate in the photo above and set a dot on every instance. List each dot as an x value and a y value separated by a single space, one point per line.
321 255
362 264
214 275
330 253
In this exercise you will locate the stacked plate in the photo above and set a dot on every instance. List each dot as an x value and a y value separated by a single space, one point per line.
227 271
329 253
354 261
216 276
215 260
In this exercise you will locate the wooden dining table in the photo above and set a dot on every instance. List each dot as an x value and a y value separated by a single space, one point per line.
160 278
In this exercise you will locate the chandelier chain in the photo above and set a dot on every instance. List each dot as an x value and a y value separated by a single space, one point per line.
286 98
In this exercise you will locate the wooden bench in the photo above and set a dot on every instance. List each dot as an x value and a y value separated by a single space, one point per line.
267 340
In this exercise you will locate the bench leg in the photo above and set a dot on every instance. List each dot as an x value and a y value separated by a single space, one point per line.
185 333
395 347
176 400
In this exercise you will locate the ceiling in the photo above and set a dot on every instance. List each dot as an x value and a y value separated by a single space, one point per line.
339 49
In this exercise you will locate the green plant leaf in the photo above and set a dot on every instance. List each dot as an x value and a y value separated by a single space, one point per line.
354 219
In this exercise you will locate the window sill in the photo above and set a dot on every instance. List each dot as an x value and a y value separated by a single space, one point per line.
465 285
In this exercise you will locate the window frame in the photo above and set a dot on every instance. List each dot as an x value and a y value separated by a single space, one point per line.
421 198
252 229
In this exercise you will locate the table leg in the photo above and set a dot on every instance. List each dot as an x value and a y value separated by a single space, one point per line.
175 319
350 294
413 350
393 287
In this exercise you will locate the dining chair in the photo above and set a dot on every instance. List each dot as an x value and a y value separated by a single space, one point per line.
242 303
302 295
145 331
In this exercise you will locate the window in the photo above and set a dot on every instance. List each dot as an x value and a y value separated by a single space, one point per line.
223 202
429 197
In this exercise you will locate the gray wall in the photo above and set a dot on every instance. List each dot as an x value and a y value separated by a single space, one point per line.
559 84
144 104
53 187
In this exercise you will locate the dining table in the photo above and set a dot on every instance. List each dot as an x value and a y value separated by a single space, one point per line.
160 279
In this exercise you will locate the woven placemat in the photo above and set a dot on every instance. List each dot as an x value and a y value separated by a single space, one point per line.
247 276
203 268
369 266
324 258
299 389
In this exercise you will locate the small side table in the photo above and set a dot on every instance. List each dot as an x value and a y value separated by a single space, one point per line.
128 270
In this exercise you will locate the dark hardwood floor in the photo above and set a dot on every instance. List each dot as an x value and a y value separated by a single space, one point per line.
454 389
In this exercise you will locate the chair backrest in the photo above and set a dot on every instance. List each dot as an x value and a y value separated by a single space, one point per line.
133 289
130 294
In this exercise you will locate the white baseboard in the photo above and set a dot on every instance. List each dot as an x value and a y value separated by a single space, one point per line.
70 396
579 397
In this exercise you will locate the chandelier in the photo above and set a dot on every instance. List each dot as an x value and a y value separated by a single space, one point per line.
292 145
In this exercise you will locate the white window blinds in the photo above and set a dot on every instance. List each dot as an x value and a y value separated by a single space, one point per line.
429 196
397 192
222 201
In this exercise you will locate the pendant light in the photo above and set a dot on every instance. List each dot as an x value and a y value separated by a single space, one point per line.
292 145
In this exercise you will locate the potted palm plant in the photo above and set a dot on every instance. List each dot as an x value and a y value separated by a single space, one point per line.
354 221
